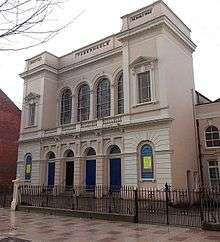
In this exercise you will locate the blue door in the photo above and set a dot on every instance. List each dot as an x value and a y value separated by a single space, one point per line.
115 173
90 174
51 173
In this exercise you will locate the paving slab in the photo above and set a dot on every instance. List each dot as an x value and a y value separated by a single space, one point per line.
24 227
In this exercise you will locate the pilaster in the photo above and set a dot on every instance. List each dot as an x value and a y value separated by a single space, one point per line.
126 77
100 171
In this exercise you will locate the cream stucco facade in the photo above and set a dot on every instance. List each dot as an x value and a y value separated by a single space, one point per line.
152 39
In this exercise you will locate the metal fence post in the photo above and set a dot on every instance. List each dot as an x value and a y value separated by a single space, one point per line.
201 196
136 205
167 202
47 198
110 201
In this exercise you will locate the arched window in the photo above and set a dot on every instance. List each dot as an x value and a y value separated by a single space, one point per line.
114 150
103 98
50 155
28 167
66 107
147 166
90 152
68 153
212 136
83 103
120 96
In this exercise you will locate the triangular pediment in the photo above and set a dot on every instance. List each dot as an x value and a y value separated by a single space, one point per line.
142 60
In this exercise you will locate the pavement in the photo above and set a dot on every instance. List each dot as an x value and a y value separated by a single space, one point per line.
23 227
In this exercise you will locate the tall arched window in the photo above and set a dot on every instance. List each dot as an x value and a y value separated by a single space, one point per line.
147 166
212 136
66 107
28 167
120 96
83 103
103 98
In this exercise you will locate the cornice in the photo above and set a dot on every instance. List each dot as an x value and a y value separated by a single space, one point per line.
36 70
46 67
160 21
208 115
143 60
119 127
91 59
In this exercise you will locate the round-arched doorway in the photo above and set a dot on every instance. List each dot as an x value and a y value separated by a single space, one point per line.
69 178
50 169
115 167
90 169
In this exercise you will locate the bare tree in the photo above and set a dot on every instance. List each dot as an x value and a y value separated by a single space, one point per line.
28 23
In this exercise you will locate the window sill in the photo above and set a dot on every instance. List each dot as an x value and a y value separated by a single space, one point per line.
148 180
65 125
31 126
213 147
145 103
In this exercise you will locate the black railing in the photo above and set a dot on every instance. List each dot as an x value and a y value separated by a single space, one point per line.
210 205
6 194
169 206
92 199
163 206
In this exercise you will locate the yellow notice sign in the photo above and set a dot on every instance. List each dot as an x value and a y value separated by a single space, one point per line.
28 168
147 162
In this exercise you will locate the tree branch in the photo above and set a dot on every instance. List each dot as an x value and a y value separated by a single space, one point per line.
26 23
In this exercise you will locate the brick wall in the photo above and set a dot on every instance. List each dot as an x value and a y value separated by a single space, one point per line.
9 133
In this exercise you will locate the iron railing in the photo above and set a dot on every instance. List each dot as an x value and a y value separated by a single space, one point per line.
210 203
163 206
100 199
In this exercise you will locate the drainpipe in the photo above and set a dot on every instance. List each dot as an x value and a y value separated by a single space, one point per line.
197 137
200 154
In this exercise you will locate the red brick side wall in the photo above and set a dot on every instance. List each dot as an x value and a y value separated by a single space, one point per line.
10 117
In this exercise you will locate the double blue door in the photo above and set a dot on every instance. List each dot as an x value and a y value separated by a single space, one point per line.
90 173
51 173
115 173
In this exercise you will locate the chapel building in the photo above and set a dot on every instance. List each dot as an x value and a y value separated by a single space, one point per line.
119 111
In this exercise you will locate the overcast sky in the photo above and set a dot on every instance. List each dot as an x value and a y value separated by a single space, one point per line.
102 18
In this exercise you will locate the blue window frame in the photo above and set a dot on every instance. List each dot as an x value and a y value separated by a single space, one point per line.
147 163
28 167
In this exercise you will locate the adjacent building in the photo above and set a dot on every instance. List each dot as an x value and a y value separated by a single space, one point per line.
10 117
119 111
208 124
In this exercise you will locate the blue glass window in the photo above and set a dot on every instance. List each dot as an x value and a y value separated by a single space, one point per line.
28 167
147 166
